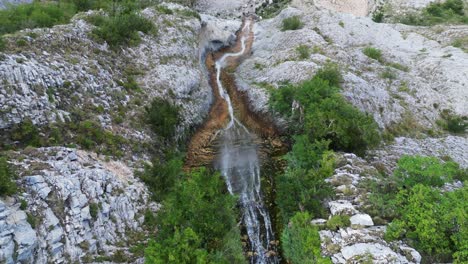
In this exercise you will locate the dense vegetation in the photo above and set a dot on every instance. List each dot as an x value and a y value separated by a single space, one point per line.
269 10
432 221
322 121
292 23
119 28
7 185
323 113
448 12
163 117
301 241
197 223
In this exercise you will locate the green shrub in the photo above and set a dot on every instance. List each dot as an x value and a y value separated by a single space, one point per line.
23 205
34 15
292 23
7 185
433 223
32 220
373 53
27 134
94 210
301 241
271 10
123 29
330 72
2 44
303 51
163 117
450 11
388 74
378 16
338 221
303 185
197 222
161 178
428 171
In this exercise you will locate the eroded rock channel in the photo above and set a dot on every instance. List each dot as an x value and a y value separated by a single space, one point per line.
237 141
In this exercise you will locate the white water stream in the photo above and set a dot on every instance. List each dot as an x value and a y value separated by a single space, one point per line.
240 167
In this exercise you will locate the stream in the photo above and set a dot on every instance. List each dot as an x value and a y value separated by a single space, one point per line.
239 164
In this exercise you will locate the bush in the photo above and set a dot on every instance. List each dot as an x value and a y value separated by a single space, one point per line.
94 210
303 51
292 23
197 222
338 221
301 241
163 117
453 123
323 113
433 223
123 29
450 11
428 171
7 185
162 177
373 53
27 134
303 185
330 72
35 15
2 44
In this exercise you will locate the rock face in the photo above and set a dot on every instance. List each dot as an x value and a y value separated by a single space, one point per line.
433 81
62 68
79 205
363 241
6 3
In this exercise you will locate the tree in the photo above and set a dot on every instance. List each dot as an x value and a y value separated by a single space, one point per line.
7 186
301 241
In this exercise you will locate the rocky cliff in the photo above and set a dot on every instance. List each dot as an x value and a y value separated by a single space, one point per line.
74 205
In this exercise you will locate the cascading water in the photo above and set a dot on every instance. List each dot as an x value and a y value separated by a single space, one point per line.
239 164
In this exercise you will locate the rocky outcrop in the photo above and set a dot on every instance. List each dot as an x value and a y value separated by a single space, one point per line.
363 240
6 3
61 69
79 207
428 83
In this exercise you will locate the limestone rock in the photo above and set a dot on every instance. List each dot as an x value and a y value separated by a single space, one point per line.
361 219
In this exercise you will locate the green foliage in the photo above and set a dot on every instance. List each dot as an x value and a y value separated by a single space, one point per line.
324 114
292 23
271 10
183 247
411 170
453 123
23 205
450 11
433 223
7 185
301 241
26 133
373 53
163 117
338 221
388 74
303 185
94 210
34 15
2 44
197 223
428 171
122 29
303 51
32 220
161 178
378 16
330 72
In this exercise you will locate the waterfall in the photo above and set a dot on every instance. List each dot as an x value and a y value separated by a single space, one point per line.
239 165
